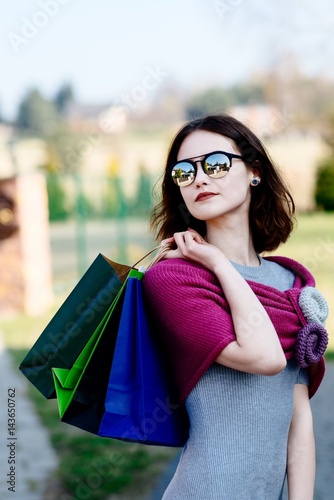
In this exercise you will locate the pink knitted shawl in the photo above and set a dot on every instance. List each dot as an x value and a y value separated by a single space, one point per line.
194 322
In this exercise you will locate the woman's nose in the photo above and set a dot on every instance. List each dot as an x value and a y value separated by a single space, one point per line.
201 176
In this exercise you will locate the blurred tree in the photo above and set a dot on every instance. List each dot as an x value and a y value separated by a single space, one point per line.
328 128
37 115
324 189
217 99
64 149
57 198
112 192
303 100
246 93
141 205
213 100
324 192
63 97
84 206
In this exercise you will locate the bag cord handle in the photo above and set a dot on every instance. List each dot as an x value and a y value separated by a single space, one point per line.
162 250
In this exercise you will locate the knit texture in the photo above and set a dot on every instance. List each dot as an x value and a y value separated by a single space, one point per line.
239 424
194 321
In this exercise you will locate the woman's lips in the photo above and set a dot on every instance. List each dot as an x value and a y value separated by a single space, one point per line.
204 196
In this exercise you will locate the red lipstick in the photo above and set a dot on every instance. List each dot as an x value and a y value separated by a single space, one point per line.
204 195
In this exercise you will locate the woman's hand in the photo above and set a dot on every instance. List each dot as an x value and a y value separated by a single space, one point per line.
257 348
191 245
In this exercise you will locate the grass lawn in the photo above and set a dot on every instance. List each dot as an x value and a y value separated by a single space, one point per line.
94 468
90 467
312 244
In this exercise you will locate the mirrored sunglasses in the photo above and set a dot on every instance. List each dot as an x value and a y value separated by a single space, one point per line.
216 165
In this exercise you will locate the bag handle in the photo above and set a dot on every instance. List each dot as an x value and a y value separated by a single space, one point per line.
123 270
162 250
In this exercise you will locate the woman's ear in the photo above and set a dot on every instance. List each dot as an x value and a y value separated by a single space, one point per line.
256 168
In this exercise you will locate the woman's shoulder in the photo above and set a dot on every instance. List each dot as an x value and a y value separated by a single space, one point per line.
176 267
179 272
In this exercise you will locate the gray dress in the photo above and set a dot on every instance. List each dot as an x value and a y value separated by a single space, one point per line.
239 424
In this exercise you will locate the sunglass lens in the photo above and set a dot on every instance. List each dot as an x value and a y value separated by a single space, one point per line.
217 165
183 173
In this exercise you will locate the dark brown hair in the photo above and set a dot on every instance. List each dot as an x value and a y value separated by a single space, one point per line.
272 208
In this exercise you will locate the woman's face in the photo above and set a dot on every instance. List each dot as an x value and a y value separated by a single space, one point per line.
226 195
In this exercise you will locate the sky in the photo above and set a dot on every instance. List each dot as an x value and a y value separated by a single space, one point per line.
108 49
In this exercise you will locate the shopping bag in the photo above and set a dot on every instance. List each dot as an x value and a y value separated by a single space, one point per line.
81 389
120 386
66 380
141 402
74 323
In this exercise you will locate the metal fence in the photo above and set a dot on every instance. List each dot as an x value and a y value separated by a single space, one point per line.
97 214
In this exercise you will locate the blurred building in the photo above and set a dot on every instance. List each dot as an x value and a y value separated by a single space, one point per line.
265 120
296 153
25 257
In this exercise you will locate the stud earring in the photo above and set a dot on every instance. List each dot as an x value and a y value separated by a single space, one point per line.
256 181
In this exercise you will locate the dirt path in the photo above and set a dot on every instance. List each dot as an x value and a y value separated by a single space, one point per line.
25 451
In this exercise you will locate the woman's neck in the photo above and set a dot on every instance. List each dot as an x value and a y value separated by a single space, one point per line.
234 239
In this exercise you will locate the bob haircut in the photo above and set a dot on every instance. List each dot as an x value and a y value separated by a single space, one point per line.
271 214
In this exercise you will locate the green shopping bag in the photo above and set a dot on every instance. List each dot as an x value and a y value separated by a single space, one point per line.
66 380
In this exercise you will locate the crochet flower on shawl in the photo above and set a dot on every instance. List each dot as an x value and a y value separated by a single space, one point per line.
312 339
313 305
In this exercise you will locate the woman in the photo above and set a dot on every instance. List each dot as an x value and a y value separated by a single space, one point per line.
229 318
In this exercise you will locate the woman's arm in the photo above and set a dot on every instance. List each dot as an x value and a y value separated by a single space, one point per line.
301 448
257 348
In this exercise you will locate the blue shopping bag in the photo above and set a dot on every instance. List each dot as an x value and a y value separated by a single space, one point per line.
141 403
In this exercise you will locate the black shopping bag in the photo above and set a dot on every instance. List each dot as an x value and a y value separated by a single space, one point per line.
71 327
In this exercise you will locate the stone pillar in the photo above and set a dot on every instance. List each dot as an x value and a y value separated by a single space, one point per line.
25 256
11 277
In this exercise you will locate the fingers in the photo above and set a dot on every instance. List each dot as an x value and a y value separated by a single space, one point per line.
187 242
184 244
194 236
190 245
167 240
197 237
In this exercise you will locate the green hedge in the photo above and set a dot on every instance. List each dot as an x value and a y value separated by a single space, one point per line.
324 193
